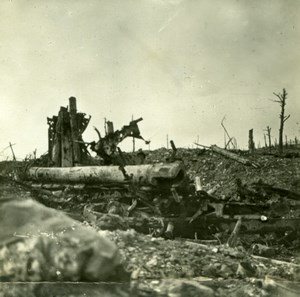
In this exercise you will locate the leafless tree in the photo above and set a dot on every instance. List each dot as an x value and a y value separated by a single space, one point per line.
265 139
283 118
268 130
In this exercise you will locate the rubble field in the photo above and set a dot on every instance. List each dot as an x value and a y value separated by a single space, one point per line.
258 264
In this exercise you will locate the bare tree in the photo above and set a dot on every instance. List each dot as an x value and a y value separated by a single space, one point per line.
265 139
268 130
283 118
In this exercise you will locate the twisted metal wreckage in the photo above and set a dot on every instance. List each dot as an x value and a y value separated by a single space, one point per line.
158 197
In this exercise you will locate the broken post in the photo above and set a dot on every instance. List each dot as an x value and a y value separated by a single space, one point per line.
232 240
251 145
110 127
174 151
12 151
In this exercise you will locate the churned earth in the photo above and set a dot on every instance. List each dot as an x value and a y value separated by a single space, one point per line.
259 265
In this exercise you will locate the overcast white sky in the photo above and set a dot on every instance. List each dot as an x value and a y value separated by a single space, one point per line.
182 65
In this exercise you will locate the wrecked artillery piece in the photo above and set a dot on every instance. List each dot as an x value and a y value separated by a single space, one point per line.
158 197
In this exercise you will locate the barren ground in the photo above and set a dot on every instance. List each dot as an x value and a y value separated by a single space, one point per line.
187 267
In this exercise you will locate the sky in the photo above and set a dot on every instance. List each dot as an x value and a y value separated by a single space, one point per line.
182 65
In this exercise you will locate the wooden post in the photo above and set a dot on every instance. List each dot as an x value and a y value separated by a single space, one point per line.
251 144
12 151
74 131
110 127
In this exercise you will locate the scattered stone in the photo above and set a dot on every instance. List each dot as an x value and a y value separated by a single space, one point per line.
43 244
152 262
263 250
111 222
186 288
246 269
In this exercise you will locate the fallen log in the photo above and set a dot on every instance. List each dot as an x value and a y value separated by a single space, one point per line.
274 261
264 188
230 155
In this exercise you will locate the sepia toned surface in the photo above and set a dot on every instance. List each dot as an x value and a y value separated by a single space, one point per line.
216 85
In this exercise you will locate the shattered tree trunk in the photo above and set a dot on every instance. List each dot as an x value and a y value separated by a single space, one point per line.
265 139
269 138
251 145
56 147
66 143
74 130
283 118
232 156
50 139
